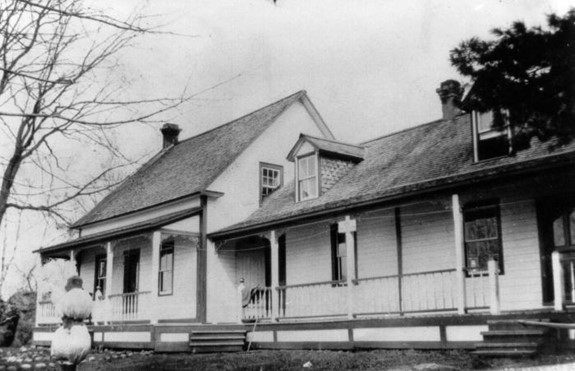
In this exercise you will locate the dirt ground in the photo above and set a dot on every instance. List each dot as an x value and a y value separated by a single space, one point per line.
31 358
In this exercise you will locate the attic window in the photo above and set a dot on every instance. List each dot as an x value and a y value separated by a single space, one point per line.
307 177
271 178
489 141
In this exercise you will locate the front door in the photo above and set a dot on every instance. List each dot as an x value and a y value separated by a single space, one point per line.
556 220
131 270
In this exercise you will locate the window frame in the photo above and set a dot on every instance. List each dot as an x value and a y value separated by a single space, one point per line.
100 258
475 208
336 267
272 167
166 247
568 232
487 134
315 175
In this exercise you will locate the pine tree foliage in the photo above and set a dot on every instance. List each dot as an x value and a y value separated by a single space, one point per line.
528 72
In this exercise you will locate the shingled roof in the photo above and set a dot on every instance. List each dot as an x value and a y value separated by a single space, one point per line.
329 146
188 167
421 158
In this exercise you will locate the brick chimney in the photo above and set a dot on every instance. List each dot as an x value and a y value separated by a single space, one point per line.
170 133
450 92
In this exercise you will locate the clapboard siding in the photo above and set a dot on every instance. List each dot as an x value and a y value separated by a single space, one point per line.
251 266
87 260
223 299
427 238
308 254
376 244
142 243
521 283
182 302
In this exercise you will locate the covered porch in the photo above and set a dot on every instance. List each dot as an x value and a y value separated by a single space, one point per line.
417 261
140 278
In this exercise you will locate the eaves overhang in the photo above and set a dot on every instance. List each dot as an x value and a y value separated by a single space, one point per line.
398 193
117 233
208 193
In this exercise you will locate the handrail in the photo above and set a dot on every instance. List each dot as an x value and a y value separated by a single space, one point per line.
129 294
310 284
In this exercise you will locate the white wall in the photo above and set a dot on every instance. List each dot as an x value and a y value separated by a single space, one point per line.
427 237
240 181
143 216
376 244
521 282
223 302
181 304
87 260
308 254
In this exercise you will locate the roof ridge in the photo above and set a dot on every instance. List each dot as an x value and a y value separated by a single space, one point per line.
280 106
404 130
301 93
333 141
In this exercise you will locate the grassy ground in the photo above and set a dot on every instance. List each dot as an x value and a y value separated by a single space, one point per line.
281 360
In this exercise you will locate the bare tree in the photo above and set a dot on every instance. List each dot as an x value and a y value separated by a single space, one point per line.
54 59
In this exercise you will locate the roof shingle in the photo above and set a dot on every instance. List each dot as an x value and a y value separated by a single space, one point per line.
439 152
188 167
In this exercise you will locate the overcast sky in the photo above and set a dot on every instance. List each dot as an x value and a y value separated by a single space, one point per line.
371 67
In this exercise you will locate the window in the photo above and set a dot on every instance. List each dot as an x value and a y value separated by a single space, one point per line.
307 177
339 255
482 237
564 229
490 142
271 178
166 271
100 279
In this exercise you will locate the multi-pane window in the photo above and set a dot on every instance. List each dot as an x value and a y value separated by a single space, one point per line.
482 237
100 279
307 177
166 271
271 178
564 229
490 141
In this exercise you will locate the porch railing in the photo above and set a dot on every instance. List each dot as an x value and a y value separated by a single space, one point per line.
130 306
432 291
47 313
568 268
477 289
312 299
259 305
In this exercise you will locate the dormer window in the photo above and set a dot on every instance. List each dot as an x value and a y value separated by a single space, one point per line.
488 140
271 178
307 177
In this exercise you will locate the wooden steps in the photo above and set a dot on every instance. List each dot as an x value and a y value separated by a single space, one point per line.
509 338
216 341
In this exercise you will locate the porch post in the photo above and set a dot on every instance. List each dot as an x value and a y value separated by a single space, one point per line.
558 281
348 226
156 243
494 300
274 247
109 280
459 252
39 294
